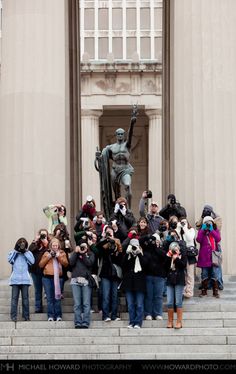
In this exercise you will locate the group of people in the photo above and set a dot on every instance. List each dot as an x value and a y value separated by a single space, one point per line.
144 258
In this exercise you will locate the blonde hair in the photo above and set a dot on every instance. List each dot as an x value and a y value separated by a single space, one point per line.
54 240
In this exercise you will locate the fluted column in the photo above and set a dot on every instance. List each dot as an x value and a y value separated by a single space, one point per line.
32 132
89 144
155 154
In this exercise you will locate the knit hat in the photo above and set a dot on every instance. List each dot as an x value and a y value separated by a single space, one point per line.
208 218
134 242
157 236
121 200
209 207
171 196
89 198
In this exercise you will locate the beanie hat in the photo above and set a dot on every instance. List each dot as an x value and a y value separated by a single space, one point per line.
208 218
209 207
157 236
134 242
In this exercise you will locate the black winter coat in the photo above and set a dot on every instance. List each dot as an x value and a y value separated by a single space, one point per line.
133 281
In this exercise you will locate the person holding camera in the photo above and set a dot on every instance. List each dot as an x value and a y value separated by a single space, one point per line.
173 208
56 213
81 262
208 237
176 262
134 283
209 211
110 258
153 216
123 216
155 258
188 235
51 263
20 259
38 246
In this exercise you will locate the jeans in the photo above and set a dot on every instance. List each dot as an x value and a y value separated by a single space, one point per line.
135 301
209 273
15 292
175 296
53 305
109 288
82 304
38 289
154 297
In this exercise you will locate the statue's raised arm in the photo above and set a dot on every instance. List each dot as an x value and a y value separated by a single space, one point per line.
132 123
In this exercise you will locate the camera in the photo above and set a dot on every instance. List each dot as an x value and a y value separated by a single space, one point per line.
56 210
42 236
53 253
108 235
173 251
121 206
149 194
89 236
85 221
83 247
208 225
162 228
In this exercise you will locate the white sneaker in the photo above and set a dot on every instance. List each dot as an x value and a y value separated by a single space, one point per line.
107 319
59 319
117 319
148 318
159 317
137 327
50 319
92 311
130 326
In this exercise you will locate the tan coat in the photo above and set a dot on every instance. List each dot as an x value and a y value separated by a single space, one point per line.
46 262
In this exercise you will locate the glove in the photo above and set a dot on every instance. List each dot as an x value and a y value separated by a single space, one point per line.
117 207
210 227
138 251
123 210
204 226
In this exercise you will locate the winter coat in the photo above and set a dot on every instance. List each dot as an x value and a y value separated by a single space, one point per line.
81 264
20 267
46 262
133 281
205 251
180 266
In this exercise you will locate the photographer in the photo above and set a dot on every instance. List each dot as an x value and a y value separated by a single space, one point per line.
153 216
123 216
173 208
176 262
134 283
81 262
208 237
110 258
155 258
20 259
88 209
188 235
38 247
56 213
51 263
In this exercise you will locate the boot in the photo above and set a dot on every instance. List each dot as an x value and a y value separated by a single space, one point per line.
179 318
170 318
204 288
215 289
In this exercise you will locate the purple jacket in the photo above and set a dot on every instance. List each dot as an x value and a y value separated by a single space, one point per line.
204 257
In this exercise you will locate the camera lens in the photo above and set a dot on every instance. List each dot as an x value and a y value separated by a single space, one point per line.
43 236
149 194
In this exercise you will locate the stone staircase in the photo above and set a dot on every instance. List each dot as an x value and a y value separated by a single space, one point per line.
209 332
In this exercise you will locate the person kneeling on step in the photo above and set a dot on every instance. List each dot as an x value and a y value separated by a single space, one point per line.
176 262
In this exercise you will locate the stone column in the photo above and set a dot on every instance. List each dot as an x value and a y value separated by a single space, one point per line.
32 116
89 144
155 154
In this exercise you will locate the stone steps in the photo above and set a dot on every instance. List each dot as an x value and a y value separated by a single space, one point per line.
209 332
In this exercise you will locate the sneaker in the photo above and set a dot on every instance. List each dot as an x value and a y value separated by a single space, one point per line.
59 319
130 326
77 326
84 327
27 319
107 319
117 319
137 327
50 319
158 317
148 318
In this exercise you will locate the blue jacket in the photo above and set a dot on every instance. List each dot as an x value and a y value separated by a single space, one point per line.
20 272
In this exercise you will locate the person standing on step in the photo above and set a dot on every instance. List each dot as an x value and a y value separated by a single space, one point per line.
38 247
176 262
51 263
20 259
81 262
208 237
134 283
153 216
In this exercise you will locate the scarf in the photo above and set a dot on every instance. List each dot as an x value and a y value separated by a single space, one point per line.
137 266
56 271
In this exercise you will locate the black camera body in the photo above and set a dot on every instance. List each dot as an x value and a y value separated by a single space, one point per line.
208 225
52 253
42 236
121 206
173 251
149 194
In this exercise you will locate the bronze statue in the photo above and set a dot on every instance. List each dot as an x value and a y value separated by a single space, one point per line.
121 170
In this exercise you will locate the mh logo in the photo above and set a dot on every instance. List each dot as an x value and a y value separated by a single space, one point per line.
7 367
